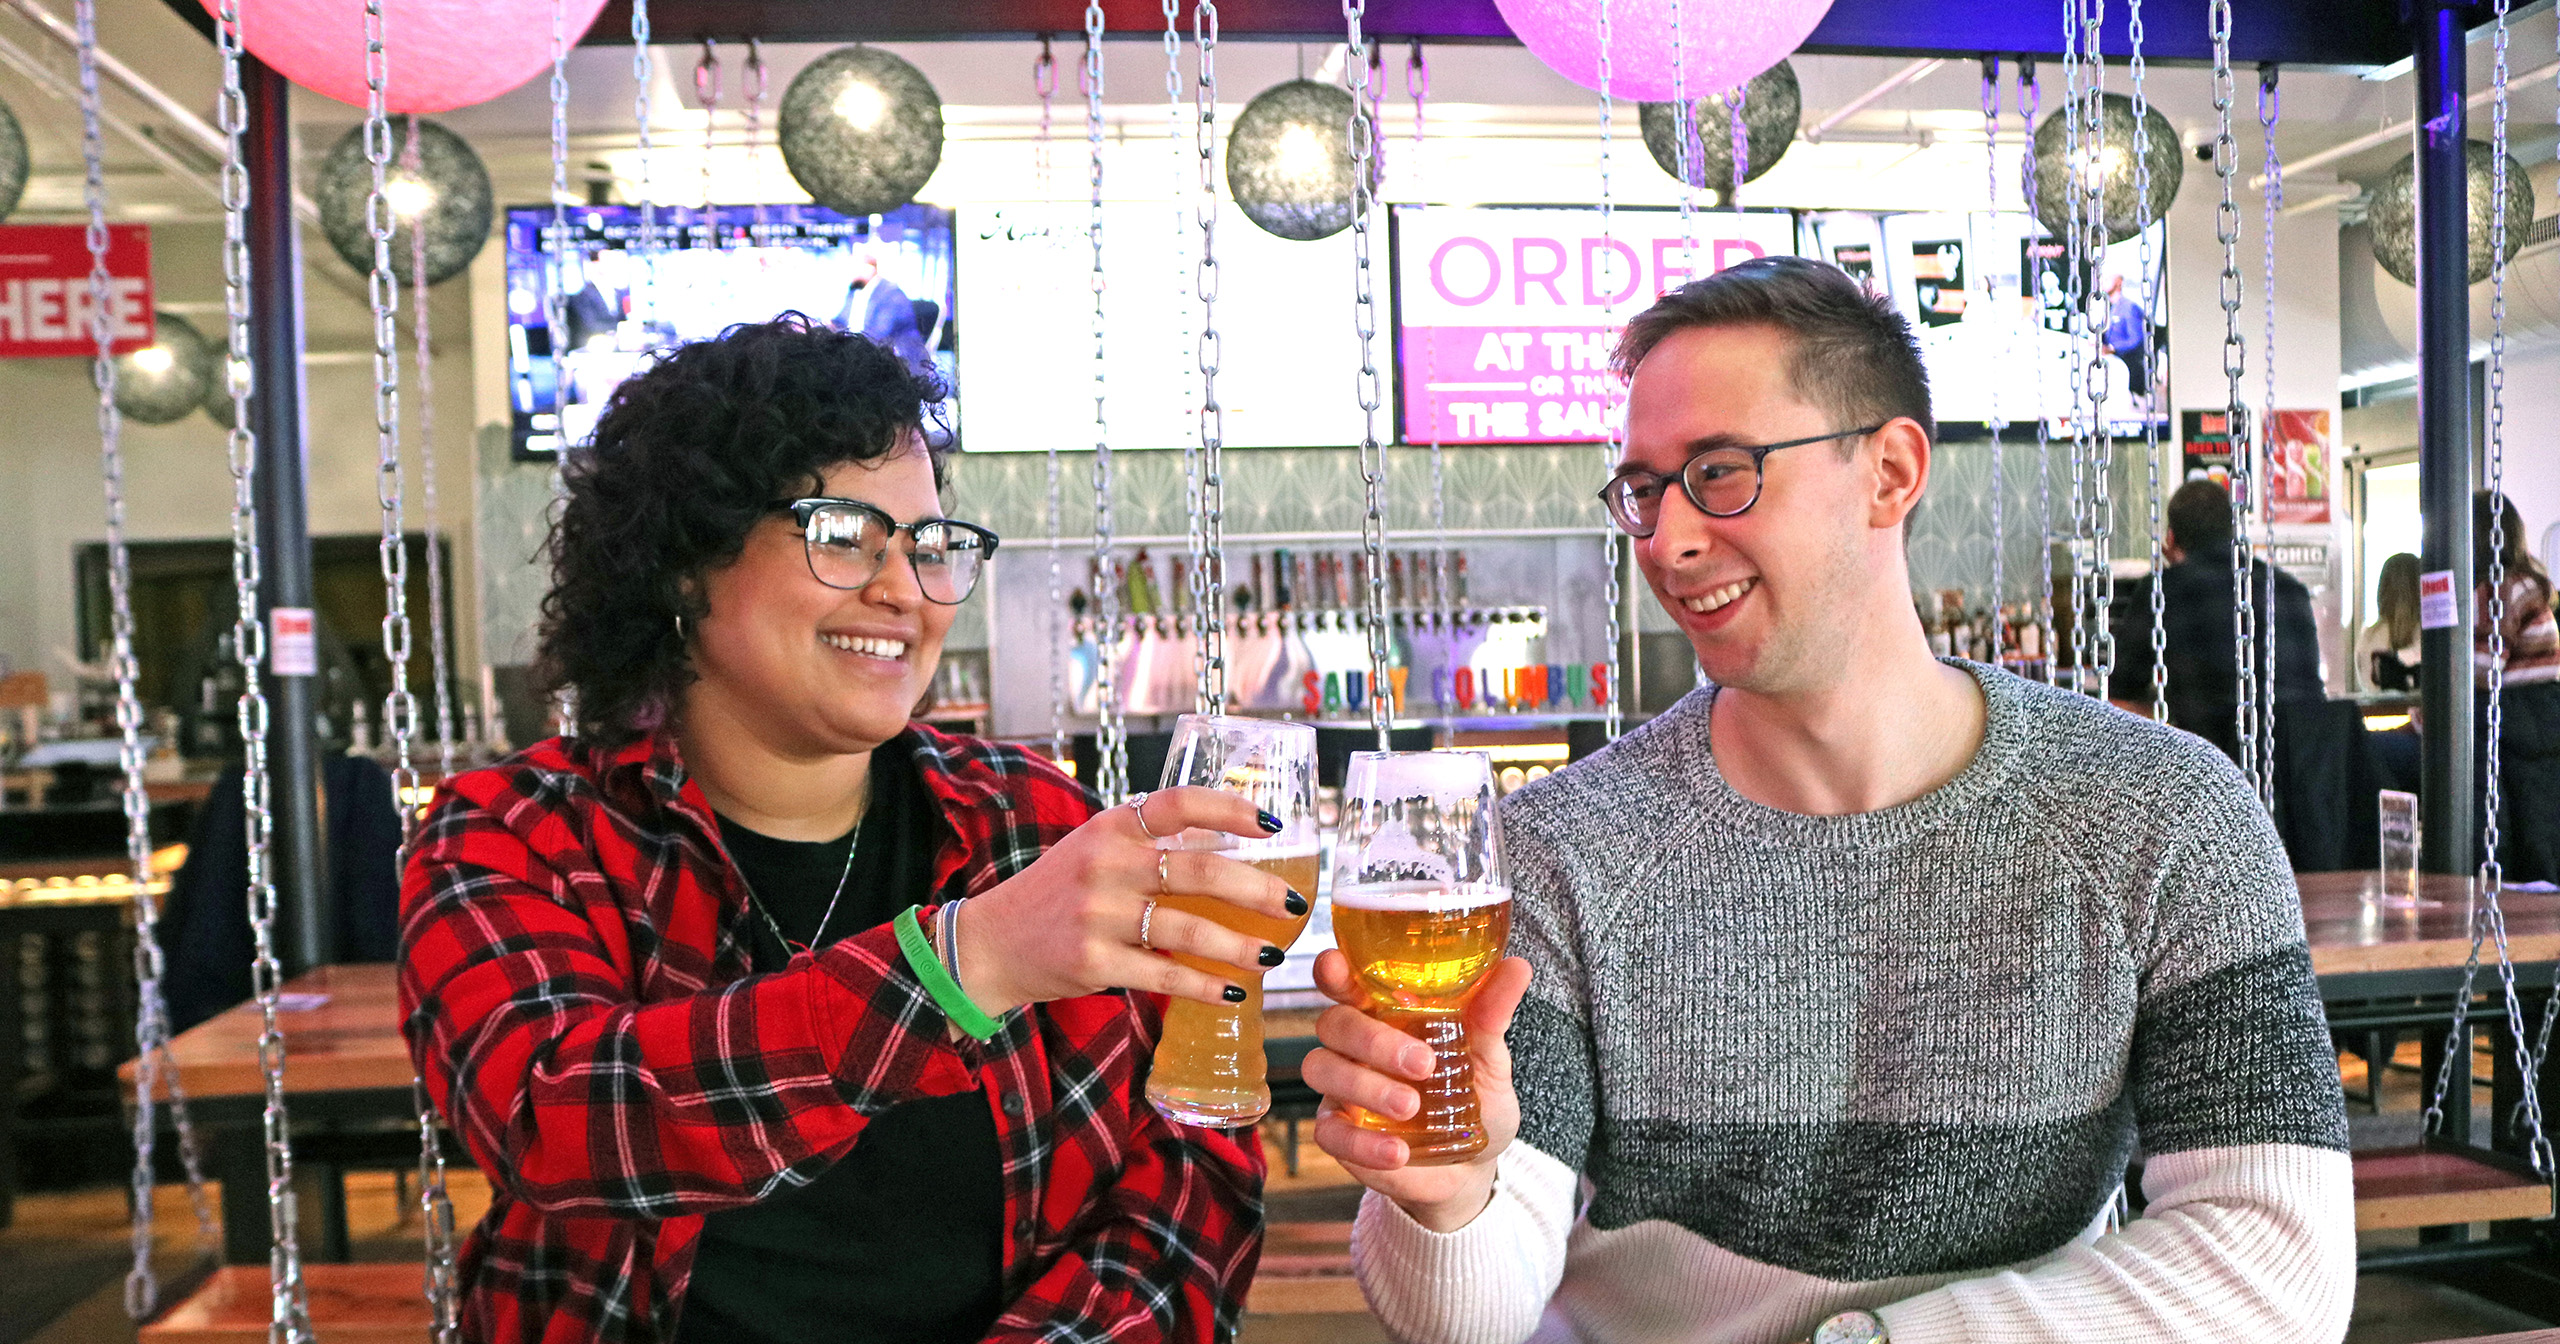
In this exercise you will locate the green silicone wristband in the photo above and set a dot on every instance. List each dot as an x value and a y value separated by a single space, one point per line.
946 992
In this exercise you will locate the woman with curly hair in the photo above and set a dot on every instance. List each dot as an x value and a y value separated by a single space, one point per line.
770 1015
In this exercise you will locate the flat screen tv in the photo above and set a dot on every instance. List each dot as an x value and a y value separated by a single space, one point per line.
705 270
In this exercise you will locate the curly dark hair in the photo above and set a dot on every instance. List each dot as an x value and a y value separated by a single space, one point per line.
685 458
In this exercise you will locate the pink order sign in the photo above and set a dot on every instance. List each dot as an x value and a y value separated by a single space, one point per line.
1506 317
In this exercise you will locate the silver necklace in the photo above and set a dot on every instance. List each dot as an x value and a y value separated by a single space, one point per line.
816 939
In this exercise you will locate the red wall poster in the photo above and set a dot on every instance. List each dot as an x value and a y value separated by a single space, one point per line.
2297 466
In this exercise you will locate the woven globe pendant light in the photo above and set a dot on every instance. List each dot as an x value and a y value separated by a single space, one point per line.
13 161
446 196
2393 215
861 131
1289 160
162 381
2114 166
1772 105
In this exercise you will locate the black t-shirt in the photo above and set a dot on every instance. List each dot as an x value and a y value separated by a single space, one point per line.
901 1238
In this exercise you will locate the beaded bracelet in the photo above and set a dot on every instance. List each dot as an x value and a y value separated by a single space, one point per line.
939 982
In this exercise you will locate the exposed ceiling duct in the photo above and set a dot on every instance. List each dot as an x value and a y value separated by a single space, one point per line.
2378 315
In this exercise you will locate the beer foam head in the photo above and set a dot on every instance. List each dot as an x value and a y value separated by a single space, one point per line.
1413 896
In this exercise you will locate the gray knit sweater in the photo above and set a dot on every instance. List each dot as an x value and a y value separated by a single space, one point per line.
1910 1045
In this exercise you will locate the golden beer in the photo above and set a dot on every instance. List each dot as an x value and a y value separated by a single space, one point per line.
1209 1063
1420 949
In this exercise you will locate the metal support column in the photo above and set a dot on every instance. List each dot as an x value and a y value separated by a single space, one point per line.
2447 812
284 526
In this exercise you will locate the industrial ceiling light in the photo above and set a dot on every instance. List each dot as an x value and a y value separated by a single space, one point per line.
1772 104
162 381
2111 164
1289 160
447 194
861 130
2393 215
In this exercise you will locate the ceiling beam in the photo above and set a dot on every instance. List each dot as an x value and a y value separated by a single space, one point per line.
2308 34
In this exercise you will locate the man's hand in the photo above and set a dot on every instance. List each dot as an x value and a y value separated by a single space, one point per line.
1368 1064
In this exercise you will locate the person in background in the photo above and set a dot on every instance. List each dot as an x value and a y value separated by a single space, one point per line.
2529 728
875 307
2387 651
2203 662
770 1015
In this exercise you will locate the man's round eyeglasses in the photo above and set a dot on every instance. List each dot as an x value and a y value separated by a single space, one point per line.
1722 479
848 541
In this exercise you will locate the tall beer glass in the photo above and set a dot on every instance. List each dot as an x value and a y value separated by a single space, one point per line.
1422 909
1209 1064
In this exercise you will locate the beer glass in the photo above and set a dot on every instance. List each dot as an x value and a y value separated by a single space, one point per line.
1422 909
1209 1063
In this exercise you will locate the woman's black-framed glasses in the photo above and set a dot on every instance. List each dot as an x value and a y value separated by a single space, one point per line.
1723 481
848 541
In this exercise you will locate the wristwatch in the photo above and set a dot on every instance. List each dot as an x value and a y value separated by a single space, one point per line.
1851 1327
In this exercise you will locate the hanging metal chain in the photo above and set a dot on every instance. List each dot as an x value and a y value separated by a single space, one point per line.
1111 772
153 1069
644 79
555 302
2150 290
1044 83
1370 383
1999 454
435 1205
290 1316
439 652
1740 143
2079 267
1209 567
1688 155
1417 86
1613 709
2102 444
2493 878
706 87
2264 468
1193 599
752 83
2030 102
399 704
2226 163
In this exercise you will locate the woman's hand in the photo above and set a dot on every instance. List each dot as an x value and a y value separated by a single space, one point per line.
1366 1063
1069 924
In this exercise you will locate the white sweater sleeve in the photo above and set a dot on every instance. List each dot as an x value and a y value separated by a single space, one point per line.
2254 1243
1487 1282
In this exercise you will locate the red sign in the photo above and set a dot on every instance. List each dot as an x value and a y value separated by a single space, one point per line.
44 289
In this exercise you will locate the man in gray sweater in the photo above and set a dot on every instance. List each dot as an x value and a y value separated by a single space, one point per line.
1844 990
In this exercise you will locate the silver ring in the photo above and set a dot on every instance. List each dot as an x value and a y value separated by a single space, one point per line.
1138 809
1146 925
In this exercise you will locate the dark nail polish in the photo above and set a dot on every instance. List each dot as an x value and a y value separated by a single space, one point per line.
1272 956
1296 904
1234 993
1270 823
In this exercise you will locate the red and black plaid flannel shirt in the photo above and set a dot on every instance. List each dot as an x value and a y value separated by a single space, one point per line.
577 996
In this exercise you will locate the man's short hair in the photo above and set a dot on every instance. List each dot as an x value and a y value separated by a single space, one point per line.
2200 518
1854 355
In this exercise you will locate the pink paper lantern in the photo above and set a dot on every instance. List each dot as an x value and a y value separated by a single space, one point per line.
443 54
1726 42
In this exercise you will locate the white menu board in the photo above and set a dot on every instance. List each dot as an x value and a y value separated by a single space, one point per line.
1288 352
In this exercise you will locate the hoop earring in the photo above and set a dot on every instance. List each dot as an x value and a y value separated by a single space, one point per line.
679 620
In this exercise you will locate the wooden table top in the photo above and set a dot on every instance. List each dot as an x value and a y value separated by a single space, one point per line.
2350 932
341 1033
